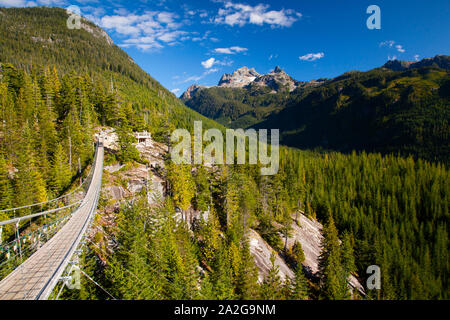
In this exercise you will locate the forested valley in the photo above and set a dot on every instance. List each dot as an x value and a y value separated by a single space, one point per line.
385 210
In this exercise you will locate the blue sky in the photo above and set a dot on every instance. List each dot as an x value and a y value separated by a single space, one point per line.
181 43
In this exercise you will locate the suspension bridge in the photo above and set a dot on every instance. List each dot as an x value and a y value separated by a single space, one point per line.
36 276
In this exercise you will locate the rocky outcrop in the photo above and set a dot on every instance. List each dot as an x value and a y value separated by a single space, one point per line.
261 253
239 78
153 152
96 31
189 93
110 139
137 176
308 233
277 80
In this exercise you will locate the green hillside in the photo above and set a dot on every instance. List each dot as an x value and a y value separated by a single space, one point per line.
237 107
32 37
405 112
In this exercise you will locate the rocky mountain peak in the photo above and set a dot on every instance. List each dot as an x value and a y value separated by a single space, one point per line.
397 65
277 80
245 77
239 78
191 91
277 70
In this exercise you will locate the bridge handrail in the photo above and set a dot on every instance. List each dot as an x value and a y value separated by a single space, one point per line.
56 199
31 216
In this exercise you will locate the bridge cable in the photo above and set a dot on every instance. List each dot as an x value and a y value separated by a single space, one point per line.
84 273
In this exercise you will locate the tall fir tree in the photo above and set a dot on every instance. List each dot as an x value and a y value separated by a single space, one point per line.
5 186
330 268
272 286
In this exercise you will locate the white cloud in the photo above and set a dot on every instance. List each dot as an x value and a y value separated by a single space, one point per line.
25 3
312 56
240 14
192 78
121 11
198 78
392 44
213 70
143 43
389 43
202 38
416 57
175 91
392 58
121 24
231 50
208 63
13 3
273 56
400 48
171 36
150 30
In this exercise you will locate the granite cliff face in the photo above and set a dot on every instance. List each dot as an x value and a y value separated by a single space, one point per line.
239 78
189 93
277 80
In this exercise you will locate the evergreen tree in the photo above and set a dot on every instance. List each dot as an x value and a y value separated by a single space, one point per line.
272 286
330 268
60 177
247 287
297 252
182 186
300 285
5 186
29 185
221 277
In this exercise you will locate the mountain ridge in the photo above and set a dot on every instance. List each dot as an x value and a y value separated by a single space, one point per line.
244 77
248 78
398 107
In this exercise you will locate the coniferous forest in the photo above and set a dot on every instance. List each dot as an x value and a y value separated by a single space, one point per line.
387 209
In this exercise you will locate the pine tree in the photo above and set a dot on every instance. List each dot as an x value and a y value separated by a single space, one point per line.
297 252
272 286
300 285
330 268
348 258
209 231
221 277
5 186
247 287
60 176
202 197
29 185
182 186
